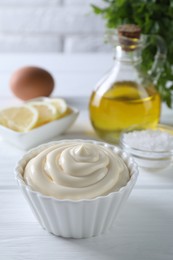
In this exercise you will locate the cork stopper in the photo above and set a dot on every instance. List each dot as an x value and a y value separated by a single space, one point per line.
129 35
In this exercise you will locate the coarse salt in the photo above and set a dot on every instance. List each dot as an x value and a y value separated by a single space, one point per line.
149 140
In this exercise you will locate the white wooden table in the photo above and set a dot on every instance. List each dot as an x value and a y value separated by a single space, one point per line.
143 230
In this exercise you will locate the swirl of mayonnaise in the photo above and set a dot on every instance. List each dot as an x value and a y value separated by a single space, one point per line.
76 170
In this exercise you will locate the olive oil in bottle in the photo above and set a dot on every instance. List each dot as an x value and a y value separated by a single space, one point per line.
123 107
125 99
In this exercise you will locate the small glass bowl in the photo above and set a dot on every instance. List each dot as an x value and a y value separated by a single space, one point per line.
148 158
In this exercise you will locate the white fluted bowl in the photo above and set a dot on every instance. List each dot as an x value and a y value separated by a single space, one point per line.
79 218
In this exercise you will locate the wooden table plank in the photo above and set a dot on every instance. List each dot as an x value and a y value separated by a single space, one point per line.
143 230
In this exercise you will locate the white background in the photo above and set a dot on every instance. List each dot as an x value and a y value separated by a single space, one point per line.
51 26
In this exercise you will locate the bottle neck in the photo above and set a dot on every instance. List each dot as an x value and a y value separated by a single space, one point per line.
127 65
133 56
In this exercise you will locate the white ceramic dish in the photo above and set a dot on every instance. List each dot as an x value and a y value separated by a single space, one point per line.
82 218
40 134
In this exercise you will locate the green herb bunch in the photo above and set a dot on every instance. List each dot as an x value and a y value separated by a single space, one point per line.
153 17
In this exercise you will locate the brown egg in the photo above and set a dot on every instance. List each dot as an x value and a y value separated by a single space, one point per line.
31 82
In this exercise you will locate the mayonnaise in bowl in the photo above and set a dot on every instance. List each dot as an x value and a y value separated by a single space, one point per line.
76 187
76 170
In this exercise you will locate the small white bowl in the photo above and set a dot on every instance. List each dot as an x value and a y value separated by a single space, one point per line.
81 218
40 134
150 159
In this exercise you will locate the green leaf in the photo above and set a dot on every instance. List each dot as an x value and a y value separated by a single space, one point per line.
96 9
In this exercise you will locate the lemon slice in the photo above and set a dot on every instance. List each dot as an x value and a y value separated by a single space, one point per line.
60 105
46 112
21 119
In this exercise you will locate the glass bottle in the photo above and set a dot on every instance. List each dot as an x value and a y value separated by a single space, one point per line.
125 98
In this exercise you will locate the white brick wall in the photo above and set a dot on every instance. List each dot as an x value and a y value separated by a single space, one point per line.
85 43
51 26
29 2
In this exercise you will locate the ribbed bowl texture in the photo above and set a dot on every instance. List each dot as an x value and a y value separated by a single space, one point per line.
76 218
